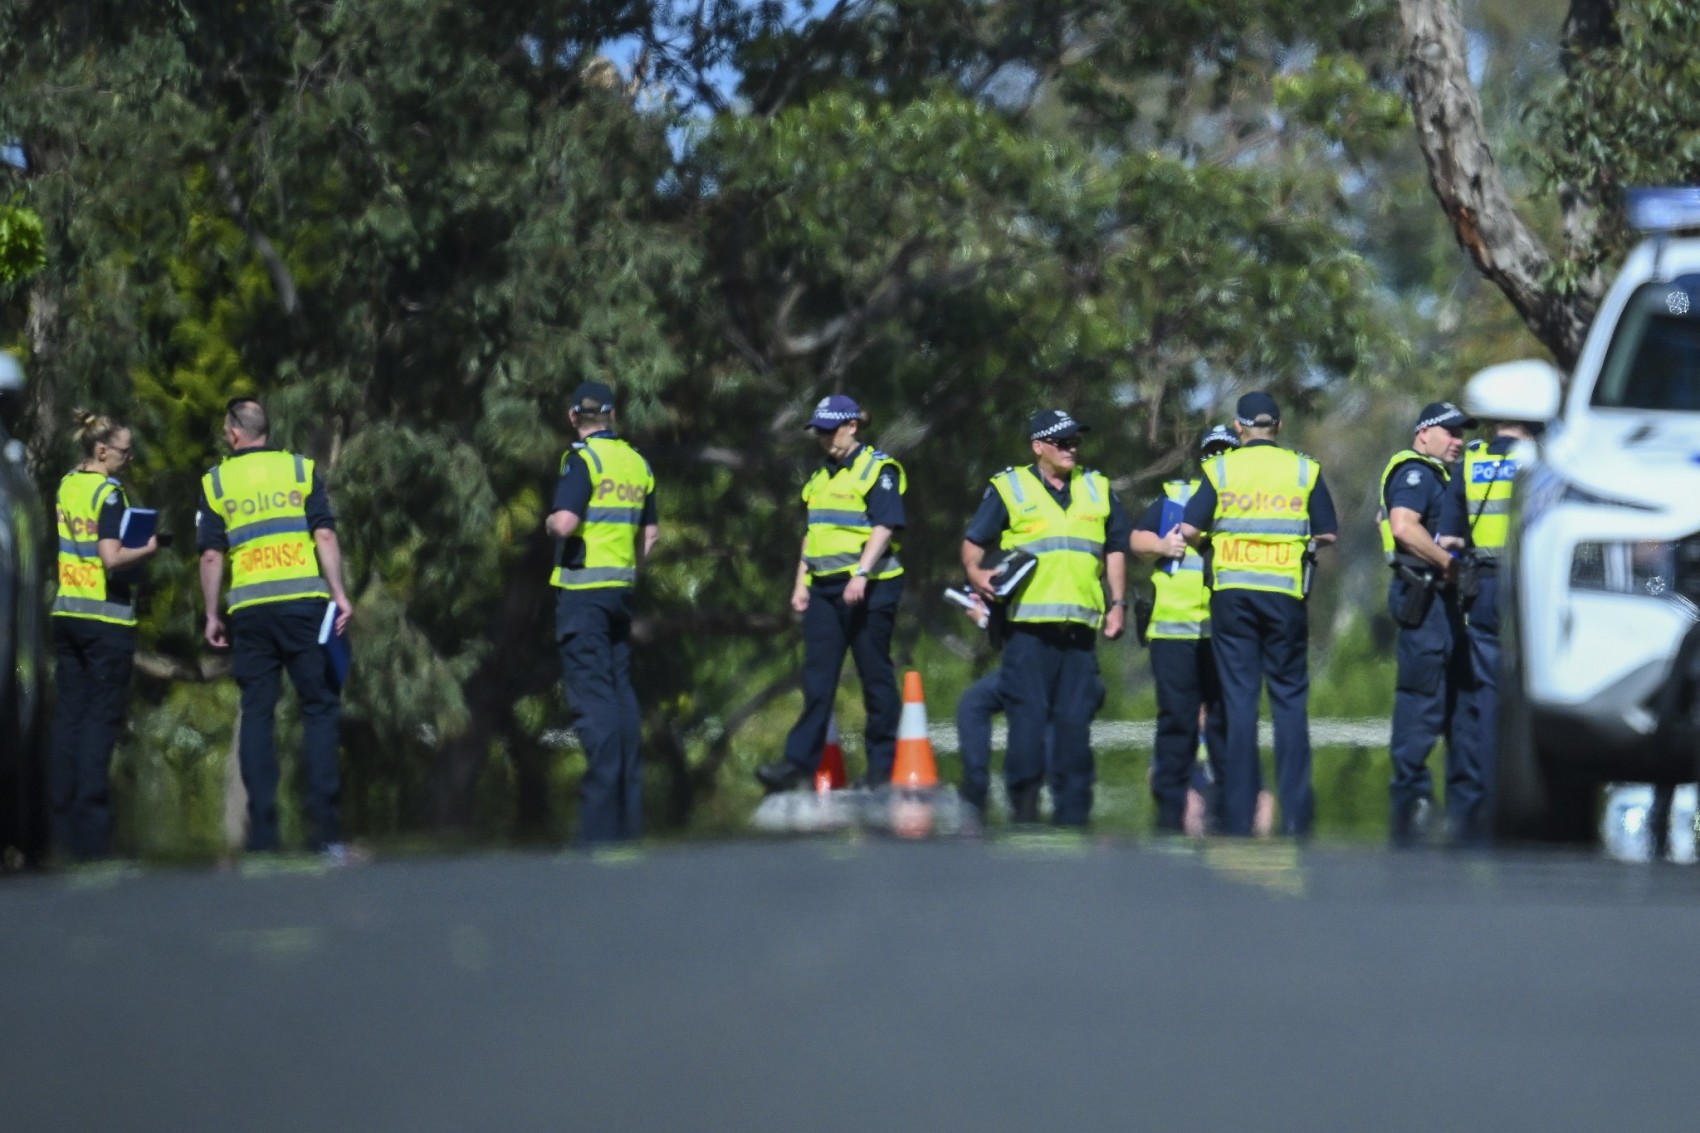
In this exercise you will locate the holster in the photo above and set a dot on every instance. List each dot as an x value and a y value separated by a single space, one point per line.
1469 582
1419 593
1142 611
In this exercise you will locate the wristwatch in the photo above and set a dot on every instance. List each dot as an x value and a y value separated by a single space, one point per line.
861 572
1122 602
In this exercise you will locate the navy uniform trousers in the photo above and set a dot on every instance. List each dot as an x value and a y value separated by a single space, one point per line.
1257 637
1049 681
1434 670
830 628
593 630
1186 679
264 641
1480 730
92 664
974 712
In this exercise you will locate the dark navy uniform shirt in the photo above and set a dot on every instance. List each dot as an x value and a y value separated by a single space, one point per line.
1416 485
992 520
209 525
1201 509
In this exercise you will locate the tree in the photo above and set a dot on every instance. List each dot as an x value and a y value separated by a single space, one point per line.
1625 112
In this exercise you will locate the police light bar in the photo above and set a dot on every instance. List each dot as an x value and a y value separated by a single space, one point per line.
1663 210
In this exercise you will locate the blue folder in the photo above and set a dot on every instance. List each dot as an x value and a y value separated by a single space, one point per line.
137 526
1173 512
338 653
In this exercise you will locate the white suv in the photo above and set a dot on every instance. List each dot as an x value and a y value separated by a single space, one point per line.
1603 565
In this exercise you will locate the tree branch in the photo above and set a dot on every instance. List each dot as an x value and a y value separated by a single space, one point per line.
1468 183
281 278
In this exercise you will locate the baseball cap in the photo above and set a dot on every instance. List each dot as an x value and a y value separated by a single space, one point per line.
833 410
1054 425
1257 409
593 397
1445 414
1218 435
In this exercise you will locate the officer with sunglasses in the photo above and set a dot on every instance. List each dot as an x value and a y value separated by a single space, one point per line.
1069 519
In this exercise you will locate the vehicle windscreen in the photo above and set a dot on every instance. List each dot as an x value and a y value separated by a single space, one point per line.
1654 358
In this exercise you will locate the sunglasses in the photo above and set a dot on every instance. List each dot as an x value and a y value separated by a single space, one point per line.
1067 443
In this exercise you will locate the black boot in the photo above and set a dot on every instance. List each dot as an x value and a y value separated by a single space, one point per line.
1024 803
780 775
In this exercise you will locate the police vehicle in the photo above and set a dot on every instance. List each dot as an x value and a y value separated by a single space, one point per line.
23 670
1603 561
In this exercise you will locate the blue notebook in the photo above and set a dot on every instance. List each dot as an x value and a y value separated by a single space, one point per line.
137 526
1173 512
337 650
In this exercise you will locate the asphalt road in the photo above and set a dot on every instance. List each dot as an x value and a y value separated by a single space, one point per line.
1019 984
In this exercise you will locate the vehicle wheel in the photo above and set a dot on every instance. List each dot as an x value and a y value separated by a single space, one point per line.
1530 803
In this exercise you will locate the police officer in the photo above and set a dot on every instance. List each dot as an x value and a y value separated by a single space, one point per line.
848 584
1419 532
1067 517
1263 509
1481 495
94 634
604 514
268 510
1183 665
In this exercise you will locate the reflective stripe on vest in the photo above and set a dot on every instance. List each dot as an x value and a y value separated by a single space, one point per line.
82 576
1065 586
1261 525
1181 608
1390 546
620 482
1488 480
838 521
261 495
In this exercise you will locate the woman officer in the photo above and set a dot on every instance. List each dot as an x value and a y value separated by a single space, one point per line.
848 585
94 635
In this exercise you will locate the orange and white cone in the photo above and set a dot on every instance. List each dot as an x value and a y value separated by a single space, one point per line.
914 768
830 774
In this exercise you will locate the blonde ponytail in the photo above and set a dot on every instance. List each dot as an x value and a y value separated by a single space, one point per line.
91 429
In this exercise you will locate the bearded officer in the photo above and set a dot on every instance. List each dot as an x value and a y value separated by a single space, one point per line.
605 517
1262 509
269 511
1068 518
1420 531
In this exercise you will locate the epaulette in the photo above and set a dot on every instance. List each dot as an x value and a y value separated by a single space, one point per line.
1478 443
1306 456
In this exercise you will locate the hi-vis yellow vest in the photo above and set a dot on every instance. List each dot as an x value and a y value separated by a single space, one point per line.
1066 586
82 576
1390 546
620 481
1262 521
1487 497
262 497
839 525
1181 611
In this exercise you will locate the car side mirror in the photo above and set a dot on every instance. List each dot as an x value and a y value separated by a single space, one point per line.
1529 390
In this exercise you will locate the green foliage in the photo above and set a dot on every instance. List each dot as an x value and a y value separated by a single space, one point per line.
1627 115
23 250
413 227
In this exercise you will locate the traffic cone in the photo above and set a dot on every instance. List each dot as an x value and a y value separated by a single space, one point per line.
830 775
914 768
